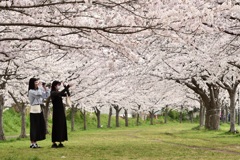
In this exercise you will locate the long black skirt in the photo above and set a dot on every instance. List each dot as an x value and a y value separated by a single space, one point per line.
37 127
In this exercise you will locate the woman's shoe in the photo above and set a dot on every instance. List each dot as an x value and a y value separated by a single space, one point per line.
31 145
34 145
54 145
37 145
60 145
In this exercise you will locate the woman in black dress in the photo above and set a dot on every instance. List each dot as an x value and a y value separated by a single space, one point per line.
59 125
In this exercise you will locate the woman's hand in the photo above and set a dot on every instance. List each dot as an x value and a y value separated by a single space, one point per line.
66 85
70 85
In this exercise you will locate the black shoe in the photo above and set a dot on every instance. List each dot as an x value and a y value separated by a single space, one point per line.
60 145
54 145
37 145
31 145
34 146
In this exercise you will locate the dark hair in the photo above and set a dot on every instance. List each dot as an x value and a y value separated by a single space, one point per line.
31 84
54 84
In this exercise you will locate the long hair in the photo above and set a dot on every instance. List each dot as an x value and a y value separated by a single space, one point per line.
54 84
31 84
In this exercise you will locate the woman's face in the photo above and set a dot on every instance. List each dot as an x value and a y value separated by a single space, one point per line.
58 87
36 83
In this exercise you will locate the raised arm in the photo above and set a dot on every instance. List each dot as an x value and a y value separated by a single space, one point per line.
62 93
36 93
67 89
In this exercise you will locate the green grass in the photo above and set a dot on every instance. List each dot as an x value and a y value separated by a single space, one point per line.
12 122
162 141
158 142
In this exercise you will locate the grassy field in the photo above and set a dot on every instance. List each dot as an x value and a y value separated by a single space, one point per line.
162 141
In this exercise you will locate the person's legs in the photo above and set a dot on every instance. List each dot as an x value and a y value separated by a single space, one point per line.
34 130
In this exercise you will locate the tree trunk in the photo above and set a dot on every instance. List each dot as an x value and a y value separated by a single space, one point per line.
202 114
232 91
98 114
2 137
84 120
181 114
222 115
23 120
236 115
118 109
232 112
73 112
151 116
98 120
226 113
109 117
212 119
210 101
83 112
191 116
21 107
117 118
138 117
126 117
239 116
166 114
46 113
212 108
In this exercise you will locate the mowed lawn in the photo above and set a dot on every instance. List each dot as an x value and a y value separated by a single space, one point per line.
162 141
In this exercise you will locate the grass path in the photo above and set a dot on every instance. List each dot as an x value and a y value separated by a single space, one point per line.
159 142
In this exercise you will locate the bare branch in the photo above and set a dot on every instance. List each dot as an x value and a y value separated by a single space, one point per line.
117 29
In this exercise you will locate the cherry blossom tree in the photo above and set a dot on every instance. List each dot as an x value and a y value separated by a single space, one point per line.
116 52
8 72
21 105
62 27
196 53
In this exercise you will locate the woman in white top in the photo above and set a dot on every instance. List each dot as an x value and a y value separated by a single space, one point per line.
36 94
